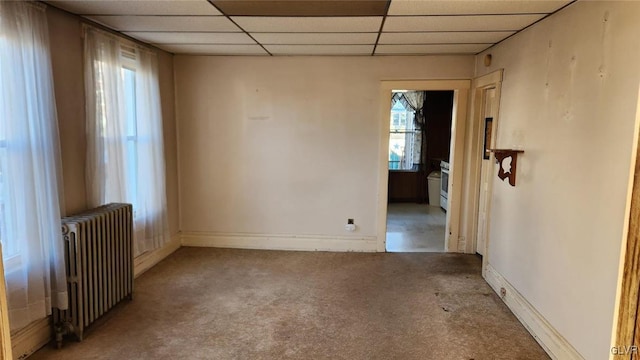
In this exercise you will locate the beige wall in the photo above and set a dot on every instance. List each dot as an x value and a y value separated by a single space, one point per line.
569 100
68 81
286 145
66 56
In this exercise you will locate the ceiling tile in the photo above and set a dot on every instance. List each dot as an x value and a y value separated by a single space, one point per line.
320 49
166 23
302 8
459 23
440 7
192 37
309 24
443 37
315 38
208 49
430 49
138 7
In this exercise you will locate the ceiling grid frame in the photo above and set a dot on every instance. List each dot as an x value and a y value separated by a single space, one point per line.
343 28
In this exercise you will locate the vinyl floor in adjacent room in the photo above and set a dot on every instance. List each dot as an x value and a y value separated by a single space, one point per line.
204 303
415 228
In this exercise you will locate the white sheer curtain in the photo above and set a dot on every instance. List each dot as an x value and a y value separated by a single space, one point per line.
30 183
125 160
152 227
106 171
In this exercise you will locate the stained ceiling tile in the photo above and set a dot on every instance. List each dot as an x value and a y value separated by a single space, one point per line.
309 24
462 37
466 7
430 49
459 23
209 49
320 49
192 37
315 38
302 8
166 23
137 7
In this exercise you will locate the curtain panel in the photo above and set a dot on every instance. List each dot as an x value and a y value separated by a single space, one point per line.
30 167
105 119
152 225
125 158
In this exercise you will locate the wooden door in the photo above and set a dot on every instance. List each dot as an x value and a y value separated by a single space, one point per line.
489 110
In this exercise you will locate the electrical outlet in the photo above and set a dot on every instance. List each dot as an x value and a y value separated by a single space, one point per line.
351 225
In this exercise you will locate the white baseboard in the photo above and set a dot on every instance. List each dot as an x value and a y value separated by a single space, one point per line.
147 260
30 339
545 334
280 242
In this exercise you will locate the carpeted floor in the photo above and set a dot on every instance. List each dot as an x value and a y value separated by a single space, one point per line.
203 303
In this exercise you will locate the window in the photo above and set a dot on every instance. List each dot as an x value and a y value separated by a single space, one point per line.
402 138
129 81
124 132
10 248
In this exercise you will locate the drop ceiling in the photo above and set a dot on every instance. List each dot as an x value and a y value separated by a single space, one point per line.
310 27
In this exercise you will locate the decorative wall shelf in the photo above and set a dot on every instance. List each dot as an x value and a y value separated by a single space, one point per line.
501 156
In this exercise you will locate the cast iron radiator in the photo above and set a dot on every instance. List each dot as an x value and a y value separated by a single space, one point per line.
99 266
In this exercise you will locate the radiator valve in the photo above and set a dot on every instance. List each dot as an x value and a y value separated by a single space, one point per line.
61 329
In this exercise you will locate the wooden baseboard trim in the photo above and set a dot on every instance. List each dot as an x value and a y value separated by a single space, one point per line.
280 242
545 334
147 260
30 339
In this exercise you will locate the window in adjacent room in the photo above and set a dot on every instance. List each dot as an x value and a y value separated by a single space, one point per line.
401 137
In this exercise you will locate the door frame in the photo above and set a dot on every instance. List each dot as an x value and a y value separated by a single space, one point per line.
479 86
5 330
456 157
626 327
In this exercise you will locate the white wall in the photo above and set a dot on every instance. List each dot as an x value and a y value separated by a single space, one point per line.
569 100
286 145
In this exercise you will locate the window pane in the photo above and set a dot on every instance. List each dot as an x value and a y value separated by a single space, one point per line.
402 138
129 77
9 248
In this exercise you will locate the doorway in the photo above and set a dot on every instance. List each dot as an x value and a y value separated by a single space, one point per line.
419 148
481 162
460 89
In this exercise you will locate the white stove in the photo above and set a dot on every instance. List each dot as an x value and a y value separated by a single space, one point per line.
444 185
